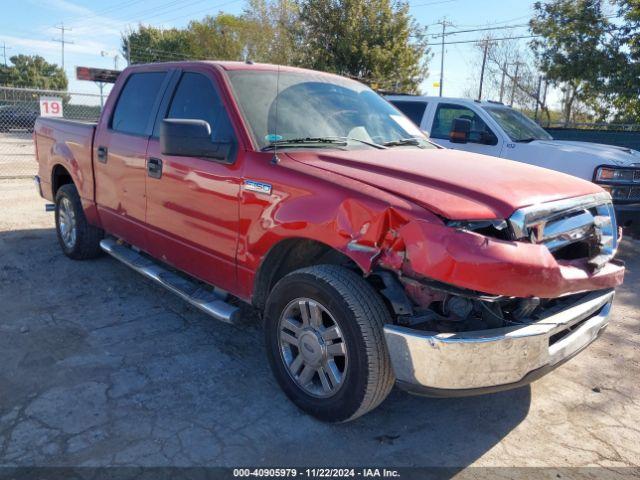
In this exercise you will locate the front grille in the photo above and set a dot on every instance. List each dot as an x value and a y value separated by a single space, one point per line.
583 227
636 176
634 194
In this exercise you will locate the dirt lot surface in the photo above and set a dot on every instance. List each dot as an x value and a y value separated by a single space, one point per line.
100 367
17 155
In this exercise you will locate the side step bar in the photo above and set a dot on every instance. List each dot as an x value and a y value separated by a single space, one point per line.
210 302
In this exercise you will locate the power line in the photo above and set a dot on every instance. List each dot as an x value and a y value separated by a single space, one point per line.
112 8
431 3
480 40
208 9
455 32
497 23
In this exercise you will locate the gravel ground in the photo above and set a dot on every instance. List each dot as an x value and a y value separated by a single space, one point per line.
100 367
17 154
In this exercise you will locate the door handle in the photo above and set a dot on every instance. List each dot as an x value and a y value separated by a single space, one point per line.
154 167
102 154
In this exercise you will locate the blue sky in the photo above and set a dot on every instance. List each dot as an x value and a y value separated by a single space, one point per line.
28 26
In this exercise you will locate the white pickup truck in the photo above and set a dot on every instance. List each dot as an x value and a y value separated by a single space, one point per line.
492 128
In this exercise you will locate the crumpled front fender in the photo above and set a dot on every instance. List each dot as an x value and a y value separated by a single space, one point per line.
469 260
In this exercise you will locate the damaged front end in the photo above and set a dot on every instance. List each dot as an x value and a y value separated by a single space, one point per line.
471 362
488 305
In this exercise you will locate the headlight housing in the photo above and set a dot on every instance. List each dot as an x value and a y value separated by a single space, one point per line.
490 228
620 182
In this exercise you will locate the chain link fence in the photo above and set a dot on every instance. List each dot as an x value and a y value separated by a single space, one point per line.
19 108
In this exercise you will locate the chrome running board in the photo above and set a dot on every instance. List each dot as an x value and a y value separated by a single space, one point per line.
212 302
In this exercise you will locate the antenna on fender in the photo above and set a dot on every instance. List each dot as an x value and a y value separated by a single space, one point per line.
275 159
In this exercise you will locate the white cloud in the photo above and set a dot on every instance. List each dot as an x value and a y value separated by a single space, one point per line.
68 6
35 45
82 21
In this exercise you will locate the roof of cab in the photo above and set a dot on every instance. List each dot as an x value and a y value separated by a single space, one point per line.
459 101
234 65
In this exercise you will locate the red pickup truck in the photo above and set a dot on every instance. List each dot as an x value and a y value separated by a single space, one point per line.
374 256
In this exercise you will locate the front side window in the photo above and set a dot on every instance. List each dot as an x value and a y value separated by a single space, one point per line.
196 98
281 106
135 104
413 110
447 113
516 125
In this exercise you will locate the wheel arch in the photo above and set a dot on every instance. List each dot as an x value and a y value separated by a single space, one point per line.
291 254
60 176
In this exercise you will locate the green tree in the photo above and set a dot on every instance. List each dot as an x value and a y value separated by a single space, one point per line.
274 31
376 41
220 37
33 71
572 49
623 87
264 32
150 44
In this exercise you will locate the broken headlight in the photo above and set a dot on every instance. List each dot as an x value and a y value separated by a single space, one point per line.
490 228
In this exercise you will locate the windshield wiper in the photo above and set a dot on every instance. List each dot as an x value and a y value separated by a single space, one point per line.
337 141
402 142
292 142
365 142
526 140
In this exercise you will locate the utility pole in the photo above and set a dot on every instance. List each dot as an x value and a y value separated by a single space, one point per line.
62 41
4 52
444 24
484 62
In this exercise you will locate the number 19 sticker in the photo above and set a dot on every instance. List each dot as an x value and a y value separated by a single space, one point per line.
51 106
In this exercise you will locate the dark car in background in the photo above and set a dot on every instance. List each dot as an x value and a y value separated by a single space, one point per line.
18 117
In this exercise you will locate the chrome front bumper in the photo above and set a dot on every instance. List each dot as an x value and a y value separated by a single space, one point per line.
471 363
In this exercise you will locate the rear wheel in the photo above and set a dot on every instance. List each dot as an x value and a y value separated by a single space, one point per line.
77 238
325 342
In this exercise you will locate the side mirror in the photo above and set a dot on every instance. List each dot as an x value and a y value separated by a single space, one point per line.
192 138
460 131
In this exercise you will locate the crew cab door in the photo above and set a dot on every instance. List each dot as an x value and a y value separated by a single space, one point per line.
119 155
192 203
482 137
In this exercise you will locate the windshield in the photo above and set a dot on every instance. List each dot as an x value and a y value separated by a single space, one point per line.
518 127
314 106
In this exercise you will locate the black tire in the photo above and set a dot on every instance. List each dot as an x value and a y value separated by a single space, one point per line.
87 237
360 314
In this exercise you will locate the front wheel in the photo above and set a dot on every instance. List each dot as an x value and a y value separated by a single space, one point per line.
77 238
325 342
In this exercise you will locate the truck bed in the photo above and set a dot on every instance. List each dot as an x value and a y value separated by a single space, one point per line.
68 143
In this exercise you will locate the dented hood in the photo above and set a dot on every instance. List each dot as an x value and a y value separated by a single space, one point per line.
453 184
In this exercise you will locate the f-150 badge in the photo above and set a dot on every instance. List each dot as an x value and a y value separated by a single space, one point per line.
257 187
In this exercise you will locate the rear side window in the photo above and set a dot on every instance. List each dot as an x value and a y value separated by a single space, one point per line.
136 101
196 98
413 110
